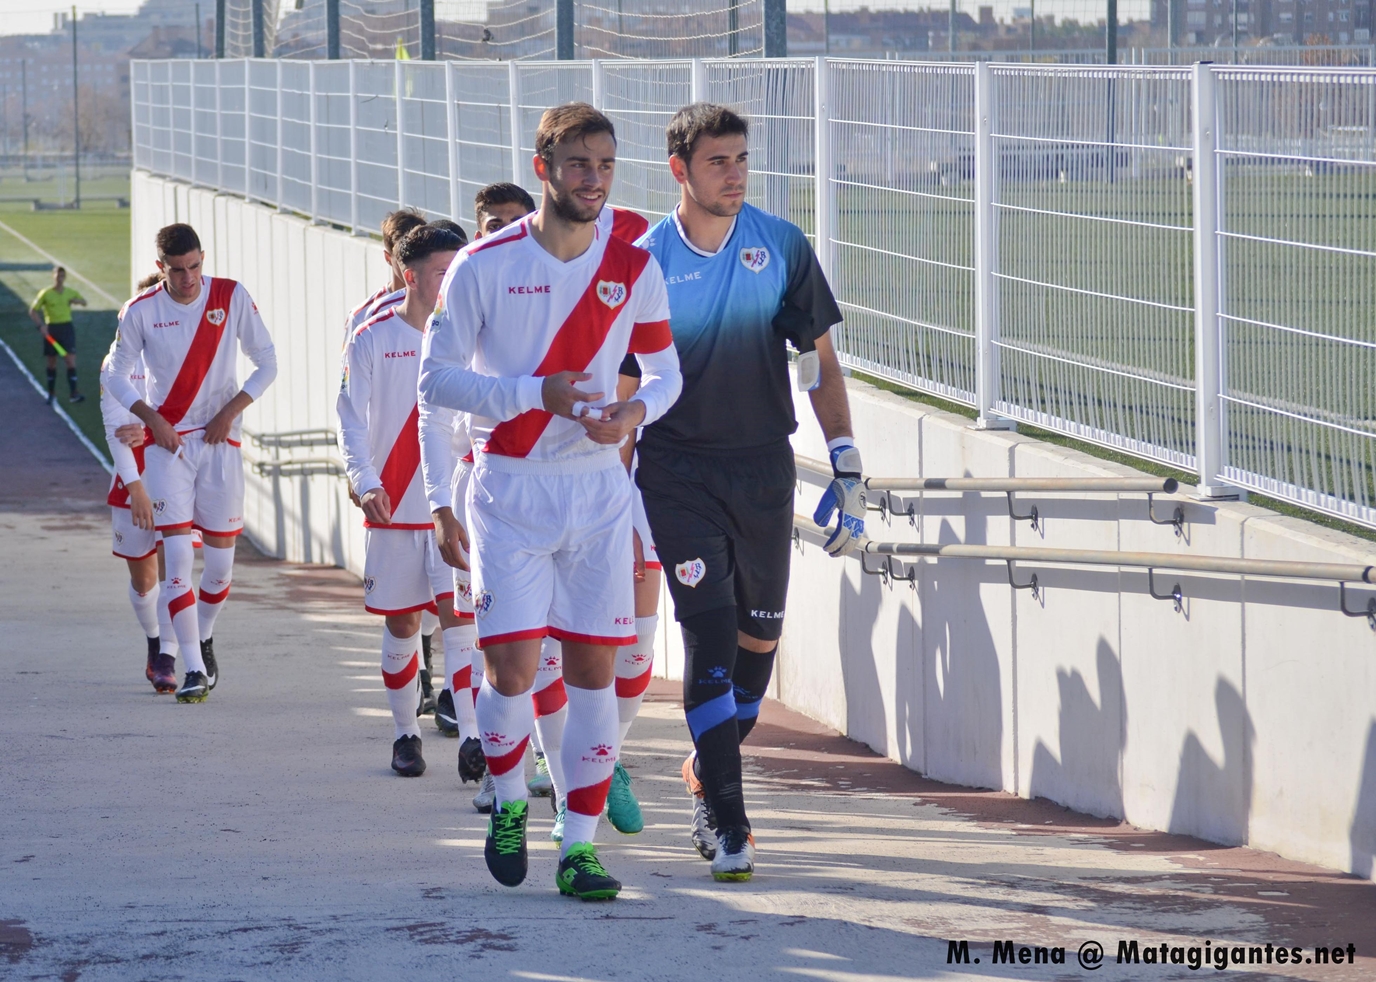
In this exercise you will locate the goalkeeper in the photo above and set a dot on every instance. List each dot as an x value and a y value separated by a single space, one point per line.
716 471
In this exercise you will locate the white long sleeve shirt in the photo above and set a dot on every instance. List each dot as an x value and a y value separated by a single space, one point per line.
379 418
190 353
128 461
444 442
510 314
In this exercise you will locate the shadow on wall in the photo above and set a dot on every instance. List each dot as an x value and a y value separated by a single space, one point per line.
1363 835
1091 736
1214 801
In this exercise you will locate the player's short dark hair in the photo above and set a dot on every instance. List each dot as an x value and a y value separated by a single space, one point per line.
149 280
571 121
502 193
701 119
451 226
424 241
395 225
177 240
60 269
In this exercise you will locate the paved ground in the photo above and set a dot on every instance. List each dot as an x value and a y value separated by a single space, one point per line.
262 836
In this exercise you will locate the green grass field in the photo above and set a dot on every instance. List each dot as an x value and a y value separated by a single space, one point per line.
93 242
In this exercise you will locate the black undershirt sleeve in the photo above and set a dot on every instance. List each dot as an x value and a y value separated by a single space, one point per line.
630 367
809 310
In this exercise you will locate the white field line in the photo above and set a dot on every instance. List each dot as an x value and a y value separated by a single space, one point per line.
71 424
71 272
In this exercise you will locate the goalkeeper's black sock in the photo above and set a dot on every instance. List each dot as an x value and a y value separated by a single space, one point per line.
750 680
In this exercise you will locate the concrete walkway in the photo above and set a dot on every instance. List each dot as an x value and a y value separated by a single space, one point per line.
262 836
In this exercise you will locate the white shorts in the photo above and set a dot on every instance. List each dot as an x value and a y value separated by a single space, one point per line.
403 571
128 541
551 551
463 579
201 489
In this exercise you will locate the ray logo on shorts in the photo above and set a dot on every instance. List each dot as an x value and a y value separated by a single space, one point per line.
119 536
466 592
690 574
600 753
611 294
368 583
217 316
482 602
159 506
755 259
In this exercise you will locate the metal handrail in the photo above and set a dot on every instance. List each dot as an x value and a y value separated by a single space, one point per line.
301 467
295 438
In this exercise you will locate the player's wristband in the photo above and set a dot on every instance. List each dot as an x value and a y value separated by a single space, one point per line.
845 458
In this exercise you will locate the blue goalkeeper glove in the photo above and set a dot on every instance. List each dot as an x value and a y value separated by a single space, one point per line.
847 495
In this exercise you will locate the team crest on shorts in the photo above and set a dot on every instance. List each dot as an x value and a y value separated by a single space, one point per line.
159 506
690 574
217 316
482 603
368 584
611 294
119 536
755 259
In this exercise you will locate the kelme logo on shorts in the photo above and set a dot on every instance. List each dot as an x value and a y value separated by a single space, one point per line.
755 259
611 294
482 602
690 574
217 316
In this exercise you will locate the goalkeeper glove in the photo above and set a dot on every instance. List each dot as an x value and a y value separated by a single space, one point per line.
845 495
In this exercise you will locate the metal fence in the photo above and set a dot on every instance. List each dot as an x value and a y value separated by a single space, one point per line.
1179 263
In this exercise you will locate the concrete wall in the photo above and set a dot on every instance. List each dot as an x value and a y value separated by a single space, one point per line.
1249 717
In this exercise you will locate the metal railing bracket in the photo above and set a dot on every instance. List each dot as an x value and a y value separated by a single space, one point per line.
1176 595
1369 613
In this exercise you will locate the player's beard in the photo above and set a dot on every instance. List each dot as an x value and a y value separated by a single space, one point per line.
569 209
724 208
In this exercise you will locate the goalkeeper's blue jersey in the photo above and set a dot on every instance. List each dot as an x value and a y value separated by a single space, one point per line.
730 314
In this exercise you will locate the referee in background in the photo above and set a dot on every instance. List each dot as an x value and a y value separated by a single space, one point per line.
55 324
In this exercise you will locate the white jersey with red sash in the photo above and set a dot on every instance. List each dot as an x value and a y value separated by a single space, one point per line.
370 308
379 418
190 353
511 314
128 461
622 223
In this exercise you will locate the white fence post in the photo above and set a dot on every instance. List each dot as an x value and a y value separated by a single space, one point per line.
315 171
280 205
248 129
219 132
599 95
401 139
452 116
825 194
698 88
1210 445
986 292
353 147
514 92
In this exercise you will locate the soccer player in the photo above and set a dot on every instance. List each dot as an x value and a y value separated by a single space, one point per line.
716 471
395 225
55 324
379 438
527 315
189 330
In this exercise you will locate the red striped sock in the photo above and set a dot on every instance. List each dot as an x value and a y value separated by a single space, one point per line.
589 755
504 724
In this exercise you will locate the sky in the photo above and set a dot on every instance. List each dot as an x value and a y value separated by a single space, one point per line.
36 16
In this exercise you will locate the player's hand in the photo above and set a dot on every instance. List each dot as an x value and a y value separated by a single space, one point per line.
452 538
639 556
217 430
165 434
353 496
846 495
377 507
130 434
560 395
612 424
140 506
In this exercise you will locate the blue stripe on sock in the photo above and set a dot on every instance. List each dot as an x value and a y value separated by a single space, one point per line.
712 713
747 710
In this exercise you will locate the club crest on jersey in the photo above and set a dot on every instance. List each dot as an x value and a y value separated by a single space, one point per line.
482 602
216 316
690 574
755 259
611 294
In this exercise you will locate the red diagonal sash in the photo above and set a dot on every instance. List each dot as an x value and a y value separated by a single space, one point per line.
403 460
199 357
575 344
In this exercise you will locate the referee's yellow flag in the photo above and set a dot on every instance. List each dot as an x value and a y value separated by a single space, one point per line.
402 53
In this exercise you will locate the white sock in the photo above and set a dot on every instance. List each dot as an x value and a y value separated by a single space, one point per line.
633 665
146 609
167 638
429 623
589 756
459 643
550 729
178 556
479 668
505 723
401 676
216 572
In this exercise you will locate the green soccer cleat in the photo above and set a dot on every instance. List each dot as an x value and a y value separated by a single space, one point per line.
541 785
623 811
556 834
505 850
194 688
581 875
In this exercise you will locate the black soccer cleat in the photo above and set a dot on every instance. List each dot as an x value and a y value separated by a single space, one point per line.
426 704
505 850
446 720
212 669
154 649
472 760
581 875
406 758
77 397
195 687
